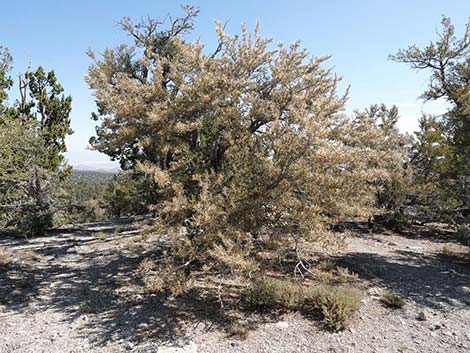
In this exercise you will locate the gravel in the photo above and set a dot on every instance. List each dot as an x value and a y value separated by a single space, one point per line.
72 292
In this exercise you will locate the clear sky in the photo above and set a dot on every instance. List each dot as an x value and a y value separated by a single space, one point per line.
359 34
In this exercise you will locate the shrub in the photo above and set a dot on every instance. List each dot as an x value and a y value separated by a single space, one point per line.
335 305
35 220
100 235
328 271
5 259
86 308
463 234
445 251
238 328
274 293
392 300
246 142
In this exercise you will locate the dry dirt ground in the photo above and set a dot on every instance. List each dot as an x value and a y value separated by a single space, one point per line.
75 291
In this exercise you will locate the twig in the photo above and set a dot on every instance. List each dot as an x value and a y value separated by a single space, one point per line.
219 292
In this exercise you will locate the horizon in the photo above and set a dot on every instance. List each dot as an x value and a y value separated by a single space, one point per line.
358 36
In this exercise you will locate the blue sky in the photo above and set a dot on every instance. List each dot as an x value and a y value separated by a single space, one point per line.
358 34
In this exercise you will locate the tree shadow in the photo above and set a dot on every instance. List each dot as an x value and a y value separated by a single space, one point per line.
428 280
437 235
103 287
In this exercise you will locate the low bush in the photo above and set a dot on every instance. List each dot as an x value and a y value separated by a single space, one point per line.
335 305
273 293
463 234
86 308
392 300
238 328
328 271
100 235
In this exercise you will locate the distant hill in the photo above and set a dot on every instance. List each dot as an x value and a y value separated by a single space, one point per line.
92 176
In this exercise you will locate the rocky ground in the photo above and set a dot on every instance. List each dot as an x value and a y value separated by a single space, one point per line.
75 291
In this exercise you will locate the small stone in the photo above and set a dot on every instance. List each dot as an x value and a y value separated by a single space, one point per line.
130 346
421 316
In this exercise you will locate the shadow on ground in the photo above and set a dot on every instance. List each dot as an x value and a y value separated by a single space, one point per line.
75 275
428 280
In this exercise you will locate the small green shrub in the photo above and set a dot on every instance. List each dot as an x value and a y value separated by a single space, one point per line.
338 305
238 328
463 234
273 293
445 251
326 265
35 220
100 235
327 271
119 230
335 305
86 308
392 300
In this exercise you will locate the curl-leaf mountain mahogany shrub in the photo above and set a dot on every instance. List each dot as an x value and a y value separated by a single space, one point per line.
244 143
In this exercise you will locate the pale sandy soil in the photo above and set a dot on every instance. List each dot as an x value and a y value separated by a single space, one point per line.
73 292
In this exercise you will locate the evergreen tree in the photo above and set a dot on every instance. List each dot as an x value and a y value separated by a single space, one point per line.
443 146
32 140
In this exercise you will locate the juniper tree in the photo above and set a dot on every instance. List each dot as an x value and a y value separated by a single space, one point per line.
32 134
25 186
42 100
395 193
245 143
448 61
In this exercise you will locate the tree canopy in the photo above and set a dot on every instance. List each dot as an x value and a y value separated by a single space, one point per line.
443 147
32 142
243 142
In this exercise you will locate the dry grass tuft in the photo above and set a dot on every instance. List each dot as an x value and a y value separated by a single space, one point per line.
86 308
336 305
392 300
100 235
238 328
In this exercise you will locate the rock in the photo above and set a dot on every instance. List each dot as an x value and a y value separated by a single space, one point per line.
281 324
421 316
374 291
130 346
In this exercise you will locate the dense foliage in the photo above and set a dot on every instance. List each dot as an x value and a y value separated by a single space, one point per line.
235 151
441 153
32 140
244 143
